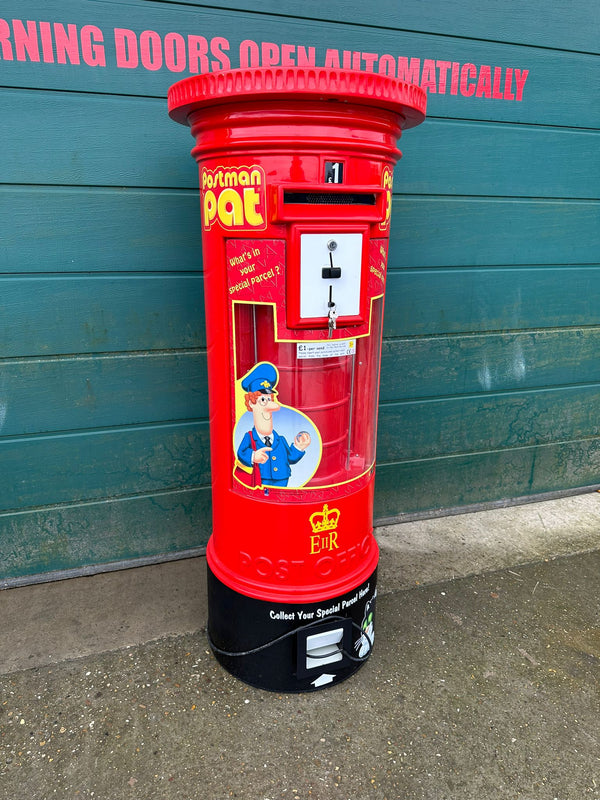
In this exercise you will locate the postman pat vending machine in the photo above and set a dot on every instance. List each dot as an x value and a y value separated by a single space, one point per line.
296 168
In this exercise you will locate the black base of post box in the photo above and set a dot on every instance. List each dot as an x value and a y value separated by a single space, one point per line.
291 647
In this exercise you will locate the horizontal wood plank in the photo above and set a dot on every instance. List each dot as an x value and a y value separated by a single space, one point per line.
77 536
102 464
445 483
437 301
459 157
449 365
463 231
101 391
442 157
60 229
55 315
487 422
111 141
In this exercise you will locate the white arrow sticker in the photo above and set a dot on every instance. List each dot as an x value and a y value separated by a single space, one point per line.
323 680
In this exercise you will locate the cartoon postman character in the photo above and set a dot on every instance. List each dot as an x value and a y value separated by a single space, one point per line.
263 445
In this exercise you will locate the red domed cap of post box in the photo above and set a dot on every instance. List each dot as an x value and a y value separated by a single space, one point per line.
298 83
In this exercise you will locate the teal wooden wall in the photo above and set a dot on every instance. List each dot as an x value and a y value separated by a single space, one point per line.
490 378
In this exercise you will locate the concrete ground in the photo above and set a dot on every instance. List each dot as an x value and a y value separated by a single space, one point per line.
484 682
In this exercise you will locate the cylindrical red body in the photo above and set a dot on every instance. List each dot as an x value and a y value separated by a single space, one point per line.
295 183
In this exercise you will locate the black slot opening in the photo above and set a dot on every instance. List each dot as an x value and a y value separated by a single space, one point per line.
331 198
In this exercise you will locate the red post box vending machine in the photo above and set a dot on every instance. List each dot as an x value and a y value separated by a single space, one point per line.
296 168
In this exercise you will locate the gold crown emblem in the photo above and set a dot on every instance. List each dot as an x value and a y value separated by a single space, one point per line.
325 520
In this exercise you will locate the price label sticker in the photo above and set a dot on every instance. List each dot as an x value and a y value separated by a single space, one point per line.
335 349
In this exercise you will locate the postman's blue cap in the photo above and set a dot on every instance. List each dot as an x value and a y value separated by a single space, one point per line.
261 379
